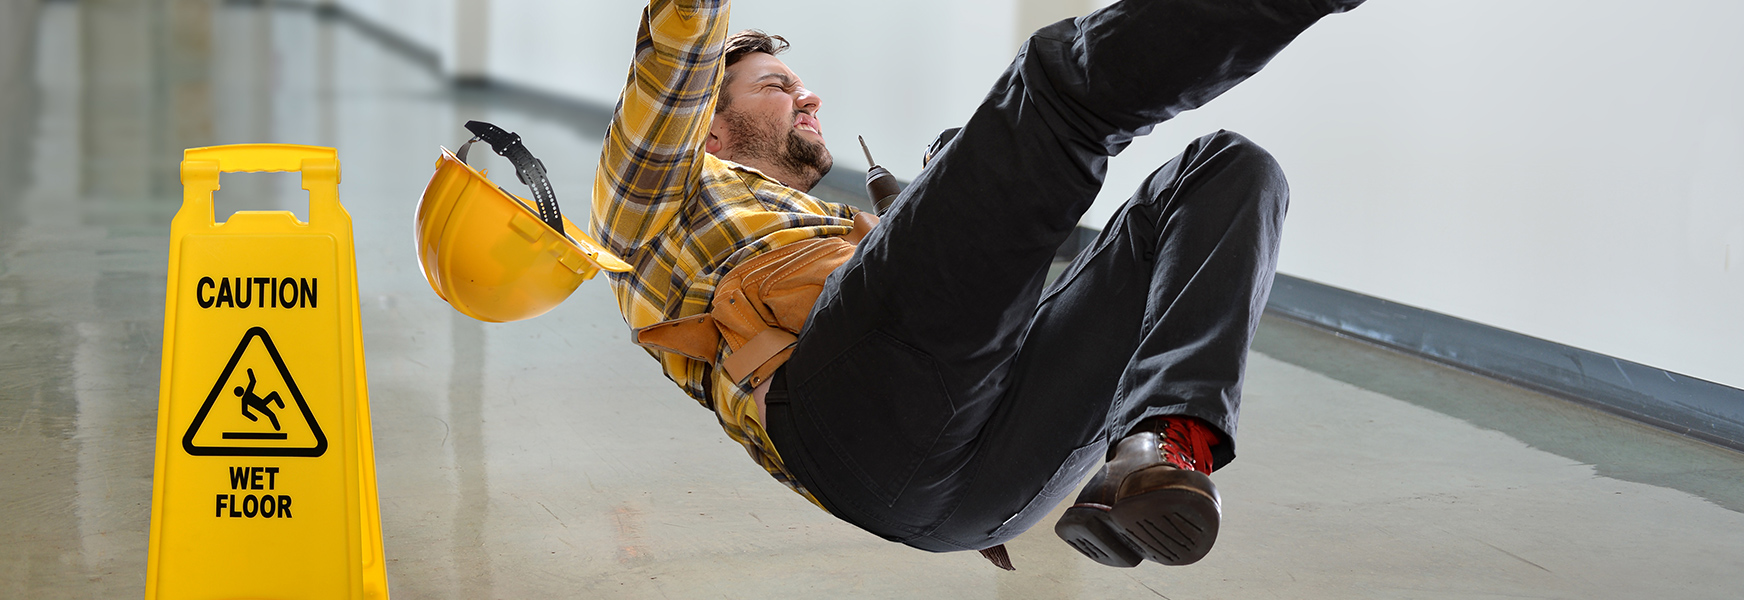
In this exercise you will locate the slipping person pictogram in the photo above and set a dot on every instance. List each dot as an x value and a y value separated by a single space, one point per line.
912 375
215 431
250 400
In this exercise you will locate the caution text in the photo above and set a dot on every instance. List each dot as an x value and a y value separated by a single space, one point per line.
257 292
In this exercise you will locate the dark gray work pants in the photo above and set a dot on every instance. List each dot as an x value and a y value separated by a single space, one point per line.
939 396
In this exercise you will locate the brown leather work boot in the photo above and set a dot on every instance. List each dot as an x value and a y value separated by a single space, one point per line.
1152 500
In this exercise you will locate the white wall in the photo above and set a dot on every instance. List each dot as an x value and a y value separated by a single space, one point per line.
897 74
1567 169
427 23
1572 170
579 49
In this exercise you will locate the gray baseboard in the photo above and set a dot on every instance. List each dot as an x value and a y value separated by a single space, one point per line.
1685 405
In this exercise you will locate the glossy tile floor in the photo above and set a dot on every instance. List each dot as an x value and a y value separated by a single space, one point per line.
550 459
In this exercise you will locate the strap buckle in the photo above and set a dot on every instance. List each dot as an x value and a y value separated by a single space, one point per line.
529 169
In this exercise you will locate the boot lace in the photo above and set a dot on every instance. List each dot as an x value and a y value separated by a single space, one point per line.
1186 443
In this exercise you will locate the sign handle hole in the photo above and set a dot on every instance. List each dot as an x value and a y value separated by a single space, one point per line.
260 191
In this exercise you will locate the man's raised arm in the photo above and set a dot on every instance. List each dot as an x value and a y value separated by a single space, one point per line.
652 160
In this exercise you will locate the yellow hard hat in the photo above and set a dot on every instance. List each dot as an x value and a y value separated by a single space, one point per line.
495 256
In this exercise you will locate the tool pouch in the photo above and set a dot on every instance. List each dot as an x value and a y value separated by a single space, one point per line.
759 308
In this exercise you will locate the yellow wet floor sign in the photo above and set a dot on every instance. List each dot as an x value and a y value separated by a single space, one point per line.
265 482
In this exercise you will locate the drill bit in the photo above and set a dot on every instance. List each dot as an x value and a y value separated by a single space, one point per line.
868 151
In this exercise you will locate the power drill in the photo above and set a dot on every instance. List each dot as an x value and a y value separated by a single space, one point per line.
880 184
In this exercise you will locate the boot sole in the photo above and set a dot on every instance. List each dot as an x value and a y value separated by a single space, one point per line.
1088 529
1173 525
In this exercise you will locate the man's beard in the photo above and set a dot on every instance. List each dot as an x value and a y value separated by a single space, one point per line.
807 160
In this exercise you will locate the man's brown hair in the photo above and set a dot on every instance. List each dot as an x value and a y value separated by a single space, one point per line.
741 44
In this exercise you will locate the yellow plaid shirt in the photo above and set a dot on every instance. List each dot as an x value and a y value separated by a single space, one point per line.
684 218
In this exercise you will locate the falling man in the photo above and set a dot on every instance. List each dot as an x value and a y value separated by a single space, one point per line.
916 376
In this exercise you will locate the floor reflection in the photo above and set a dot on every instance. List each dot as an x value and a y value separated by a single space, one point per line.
466 417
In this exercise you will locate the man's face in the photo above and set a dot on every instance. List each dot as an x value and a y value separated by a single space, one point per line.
771 122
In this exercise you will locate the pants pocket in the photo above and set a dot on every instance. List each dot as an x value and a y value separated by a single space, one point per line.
882 406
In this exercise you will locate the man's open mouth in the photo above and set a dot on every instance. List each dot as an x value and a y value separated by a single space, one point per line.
807 122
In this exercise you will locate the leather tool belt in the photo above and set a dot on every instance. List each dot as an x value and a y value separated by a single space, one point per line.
759 308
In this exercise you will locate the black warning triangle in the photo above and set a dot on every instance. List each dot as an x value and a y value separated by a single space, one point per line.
320 446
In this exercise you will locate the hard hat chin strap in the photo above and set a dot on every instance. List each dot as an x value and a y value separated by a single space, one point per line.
527 168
